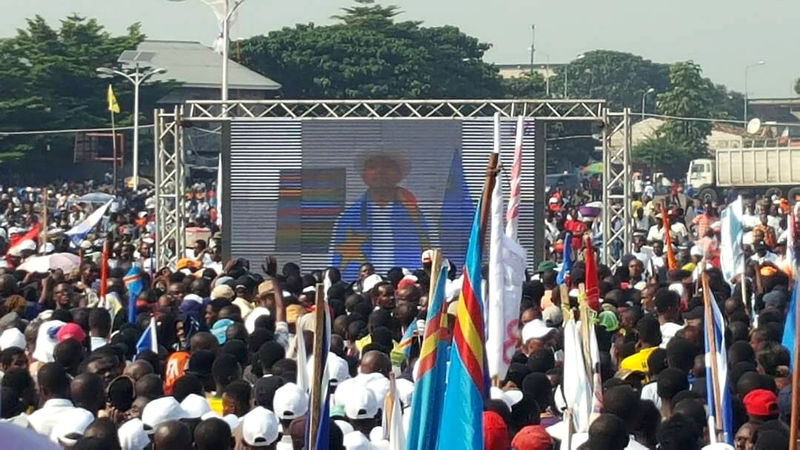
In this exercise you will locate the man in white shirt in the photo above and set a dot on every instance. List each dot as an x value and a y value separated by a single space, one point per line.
54 392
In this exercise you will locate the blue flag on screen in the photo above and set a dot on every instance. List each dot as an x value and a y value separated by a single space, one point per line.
79 232
566 259
718 331
135 285
790 327
388 235
456 215
149 339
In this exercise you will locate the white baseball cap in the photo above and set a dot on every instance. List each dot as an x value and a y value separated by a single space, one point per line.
356 441
70 426
290 402
535 329
405 390
259 427
195 406
230 419
132 435
510 398
161 410
250 320
338 370
360 404
370 282
46 340
12 337
344 426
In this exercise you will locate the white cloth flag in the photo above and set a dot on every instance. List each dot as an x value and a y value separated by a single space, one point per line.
79 232
506 274
576 384
731 257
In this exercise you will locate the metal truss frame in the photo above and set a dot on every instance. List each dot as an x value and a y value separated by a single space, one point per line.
556 110
617 218
171 184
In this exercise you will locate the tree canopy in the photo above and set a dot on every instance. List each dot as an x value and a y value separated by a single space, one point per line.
370 55
48 81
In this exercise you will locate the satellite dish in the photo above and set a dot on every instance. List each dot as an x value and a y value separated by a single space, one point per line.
754 126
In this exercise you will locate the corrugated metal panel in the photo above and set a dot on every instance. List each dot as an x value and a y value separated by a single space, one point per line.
298 189
477 138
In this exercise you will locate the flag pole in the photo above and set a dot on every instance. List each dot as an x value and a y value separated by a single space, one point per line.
795 386
43 237
488 185
114 153
712 345
316 388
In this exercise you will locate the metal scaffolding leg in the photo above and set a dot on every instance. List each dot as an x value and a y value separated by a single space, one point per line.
617 223
170 186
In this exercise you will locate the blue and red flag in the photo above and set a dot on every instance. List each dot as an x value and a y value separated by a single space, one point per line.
406 342
133 281
467 383
426 409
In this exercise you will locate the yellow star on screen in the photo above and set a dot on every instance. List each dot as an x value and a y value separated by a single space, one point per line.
350 248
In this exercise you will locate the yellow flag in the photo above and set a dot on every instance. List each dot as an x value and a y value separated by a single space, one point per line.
113 106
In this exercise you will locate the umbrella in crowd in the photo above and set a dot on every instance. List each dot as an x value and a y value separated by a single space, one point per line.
45 263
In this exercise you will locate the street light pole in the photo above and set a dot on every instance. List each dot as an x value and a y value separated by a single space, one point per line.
136 78
644 98
746 69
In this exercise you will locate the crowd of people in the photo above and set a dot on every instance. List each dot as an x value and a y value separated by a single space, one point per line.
226 371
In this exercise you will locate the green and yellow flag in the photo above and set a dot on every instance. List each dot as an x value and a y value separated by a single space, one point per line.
113 106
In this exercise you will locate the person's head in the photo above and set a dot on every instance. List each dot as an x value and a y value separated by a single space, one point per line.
62 295
225 370
213 434
21 382
383 295
88 392
104 363
236 398
670 382
53 382
185 385
623 402
105 431
382 171
658 246
375 361
268 354
365 270
667 304
149 386
138 369
203 340
635 269
172 435
679 433
213 309
14 357
609 432
99 322
649 332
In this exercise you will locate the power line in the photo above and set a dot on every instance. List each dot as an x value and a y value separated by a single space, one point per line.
68 131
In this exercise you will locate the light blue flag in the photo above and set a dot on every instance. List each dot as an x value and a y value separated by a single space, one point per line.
718 331
566 259
790 327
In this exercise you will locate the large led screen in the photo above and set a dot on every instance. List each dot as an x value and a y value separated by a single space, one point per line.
339 192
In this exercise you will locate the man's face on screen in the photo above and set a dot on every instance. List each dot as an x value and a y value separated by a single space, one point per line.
381 172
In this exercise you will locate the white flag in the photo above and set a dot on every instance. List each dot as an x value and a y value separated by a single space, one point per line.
731 257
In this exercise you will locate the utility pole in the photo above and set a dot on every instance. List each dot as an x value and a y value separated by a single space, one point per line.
533 48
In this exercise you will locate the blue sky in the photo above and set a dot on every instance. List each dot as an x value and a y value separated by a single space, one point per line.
722 36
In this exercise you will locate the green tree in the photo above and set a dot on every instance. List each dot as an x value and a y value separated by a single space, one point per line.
619 78
48 81
369 54
529 85
678 141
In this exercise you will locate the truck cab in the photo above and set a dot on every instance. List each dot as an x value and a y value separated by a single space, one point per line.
701 174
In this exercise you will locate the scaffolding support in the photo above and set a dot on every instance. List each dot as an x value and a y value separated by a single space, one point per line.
170 187
617 220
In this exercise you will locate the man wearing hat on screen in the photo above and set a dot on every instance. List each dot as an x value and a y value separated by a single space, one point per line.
384 224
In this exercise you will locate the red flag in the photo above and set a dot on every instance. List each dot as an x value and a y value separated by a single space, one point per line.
30 235
672 263
104 271
590 280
